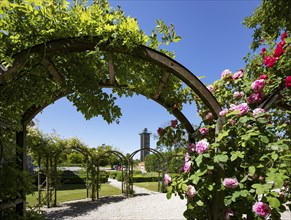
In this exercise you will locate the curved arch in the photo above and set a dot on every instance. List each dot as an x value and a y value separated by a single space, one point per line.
159 155
122 158
34 110
70 45
145 148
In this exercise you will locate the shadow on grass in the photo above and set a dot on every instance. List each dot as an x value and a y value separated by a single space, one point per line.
79 208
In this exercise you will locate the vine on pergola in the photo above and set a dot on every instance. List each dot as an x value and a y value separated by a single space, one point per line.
80 75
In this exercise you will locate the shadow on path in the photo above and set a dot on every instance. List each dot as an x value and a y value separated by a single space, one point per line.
79 208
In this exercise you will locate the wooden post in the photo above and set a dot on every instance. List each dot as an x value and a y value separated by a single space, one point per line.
39 180
218 209
21 164
55 179
47 182
87 178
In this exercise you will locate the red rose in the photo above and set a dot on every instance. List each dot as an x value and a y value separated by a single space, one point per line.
263 76
270 61
284 35
174 123
278 51
288 81
161 131
263 51
282 43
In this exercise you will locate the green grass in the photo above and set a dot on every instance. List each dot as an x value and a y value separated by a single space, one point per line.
69 192
153 186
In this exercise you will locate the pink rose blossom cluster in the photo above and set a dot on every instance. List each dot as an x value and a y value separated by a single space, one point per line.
238 95
191 191
230 183
243 108
238 74
167 179
210 88
187 166
223 112
202 146
257 111
261 209
258 85
187 157
255 97
203 131
226 74
209 116
191 148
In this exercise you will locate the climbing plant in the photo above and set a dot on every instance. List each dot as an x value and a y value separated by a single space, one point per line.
241 167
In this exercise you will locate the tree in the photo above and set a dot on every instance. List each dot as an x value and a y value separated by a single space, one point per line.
269 20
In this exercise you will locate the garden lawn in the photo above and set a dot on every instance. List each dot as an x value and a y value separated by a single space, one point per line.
153 186
69 192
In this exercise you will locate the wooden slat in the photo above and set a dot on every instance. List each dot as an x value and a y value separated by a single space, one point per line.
111 70
164 80
53 71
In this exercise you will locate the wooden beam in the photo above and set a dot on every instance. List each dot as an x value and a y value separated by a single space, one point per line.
164 80
53 71
111 69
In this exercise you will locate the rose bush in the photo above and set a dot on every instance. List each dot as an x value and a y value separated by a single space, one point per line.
244 169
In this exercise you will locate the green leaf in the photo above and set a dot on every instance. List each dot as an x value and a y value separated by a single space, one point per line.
184 187
198 159
252 170
169 195
264 139
273 202
222 135
200 203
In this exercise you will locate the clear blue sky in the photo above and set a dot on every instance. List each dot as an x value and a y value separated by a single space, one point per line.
213 39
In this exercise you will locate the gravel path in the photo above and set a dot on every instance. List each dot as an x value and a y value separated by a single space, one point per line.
145 205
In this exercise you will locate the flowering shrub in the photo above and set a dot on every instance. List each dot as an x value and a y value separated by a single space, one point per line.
243 169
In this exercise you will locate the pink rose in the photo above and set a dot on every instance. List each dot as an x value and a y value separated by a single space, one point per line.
288 81
167 179
209 116
226 73
263 76
232 122
191 147
202 146
238 94
191 191
187 166
187 157
223 112
261 209
237 75
279 50
203 131
255 97
243 109
258 85
257 111
230 183
210 88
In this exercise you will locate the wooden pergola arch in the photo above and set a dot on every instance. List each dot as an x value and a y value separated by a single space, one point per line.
60 47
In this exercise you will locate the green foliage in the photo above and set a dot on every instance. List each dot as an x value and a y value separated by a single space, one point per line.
269 20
